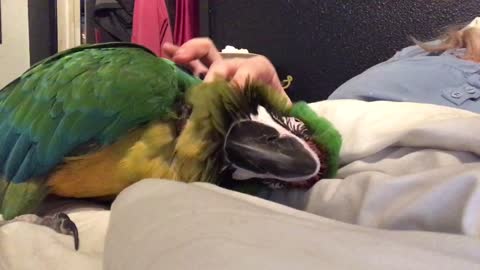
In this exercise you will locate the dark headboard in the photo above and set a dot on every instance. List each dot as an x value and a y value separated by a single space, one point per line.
323 43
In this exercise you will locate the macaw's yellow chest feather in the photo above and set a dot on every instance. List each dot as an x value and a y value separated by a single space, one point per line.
142 153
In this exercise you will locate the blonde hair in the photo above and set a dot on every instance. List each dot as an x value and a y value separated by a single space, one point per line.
456 37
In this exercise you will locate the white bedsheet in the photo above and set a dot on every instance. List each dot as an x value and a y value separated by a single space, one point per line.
406 167
168 225
25 246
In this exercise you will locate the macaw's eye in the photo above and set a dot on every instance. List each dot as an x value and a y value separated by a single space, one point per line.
293 125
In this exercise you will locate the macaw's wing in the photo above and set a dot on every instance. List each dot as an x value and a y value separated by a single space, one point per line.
84 95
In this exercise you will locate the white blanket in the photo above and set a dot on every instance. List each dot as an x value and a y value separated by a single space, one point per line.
168 225
405 167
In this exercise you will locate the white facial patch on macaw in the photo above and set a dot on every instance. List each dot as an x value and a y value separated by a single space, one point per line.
265 118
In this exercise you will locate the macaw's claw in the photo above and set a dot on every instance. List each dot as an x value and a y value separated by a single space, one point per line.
59 222
66 226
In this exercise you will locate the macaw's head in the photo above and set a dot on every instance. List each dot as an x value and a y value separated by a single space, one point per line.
260 136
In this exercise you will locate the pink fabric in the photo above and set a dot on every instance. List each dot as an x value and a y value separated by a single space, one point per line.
98 36
186 21
151 25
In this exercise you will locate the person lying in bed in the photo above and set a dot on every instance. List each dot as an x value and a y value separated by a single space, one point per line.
444 72
404 165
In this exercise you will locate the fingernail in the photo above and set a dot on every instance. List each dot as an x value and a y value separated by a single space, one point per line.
167 45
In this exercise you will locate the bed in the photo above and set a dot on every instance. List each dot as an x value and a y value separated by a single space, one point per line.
406 197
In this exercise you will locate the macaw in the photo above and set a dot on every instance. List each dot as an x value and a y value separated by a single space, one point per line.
92 120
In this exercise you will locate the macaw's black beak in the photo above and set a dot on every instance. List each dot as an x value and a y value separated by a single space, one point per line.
258 150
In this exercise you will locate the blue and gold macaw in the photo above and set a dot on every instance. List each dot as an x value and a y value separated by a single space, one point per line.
90 121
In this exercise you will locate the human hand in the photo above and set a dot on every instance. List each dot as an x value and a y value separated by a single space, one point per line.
202 57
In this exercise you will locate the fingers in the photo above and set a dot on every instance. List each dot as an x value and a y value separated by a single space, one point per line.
239 70
198 68
257 68
169 50
223 69
202 57
201 49
196 54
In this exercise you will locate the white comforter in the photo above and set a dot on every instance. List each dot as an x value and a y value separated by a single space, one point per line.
405 167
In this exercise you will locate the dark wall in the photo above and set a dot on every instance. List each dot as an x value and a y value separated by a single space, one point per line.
88 20
324 43
42 29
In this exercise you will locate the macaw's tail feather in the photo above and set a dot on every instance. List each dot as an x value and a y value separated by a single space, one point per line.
22 198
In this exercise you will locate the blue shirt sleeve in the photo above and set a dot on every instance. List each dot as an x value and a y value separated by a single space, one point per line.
411 75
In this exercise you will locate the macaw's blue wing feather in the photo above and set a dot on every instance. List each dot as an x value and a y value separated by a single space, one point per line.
93 93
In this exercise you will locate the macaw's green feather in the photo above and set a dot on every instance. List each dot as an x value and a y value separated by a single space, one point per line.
20 197
88 94
200 140
92 92
260 94
323 132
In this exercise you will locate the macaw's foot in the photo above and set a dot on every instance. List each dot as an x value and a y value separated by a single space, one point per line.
59 222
